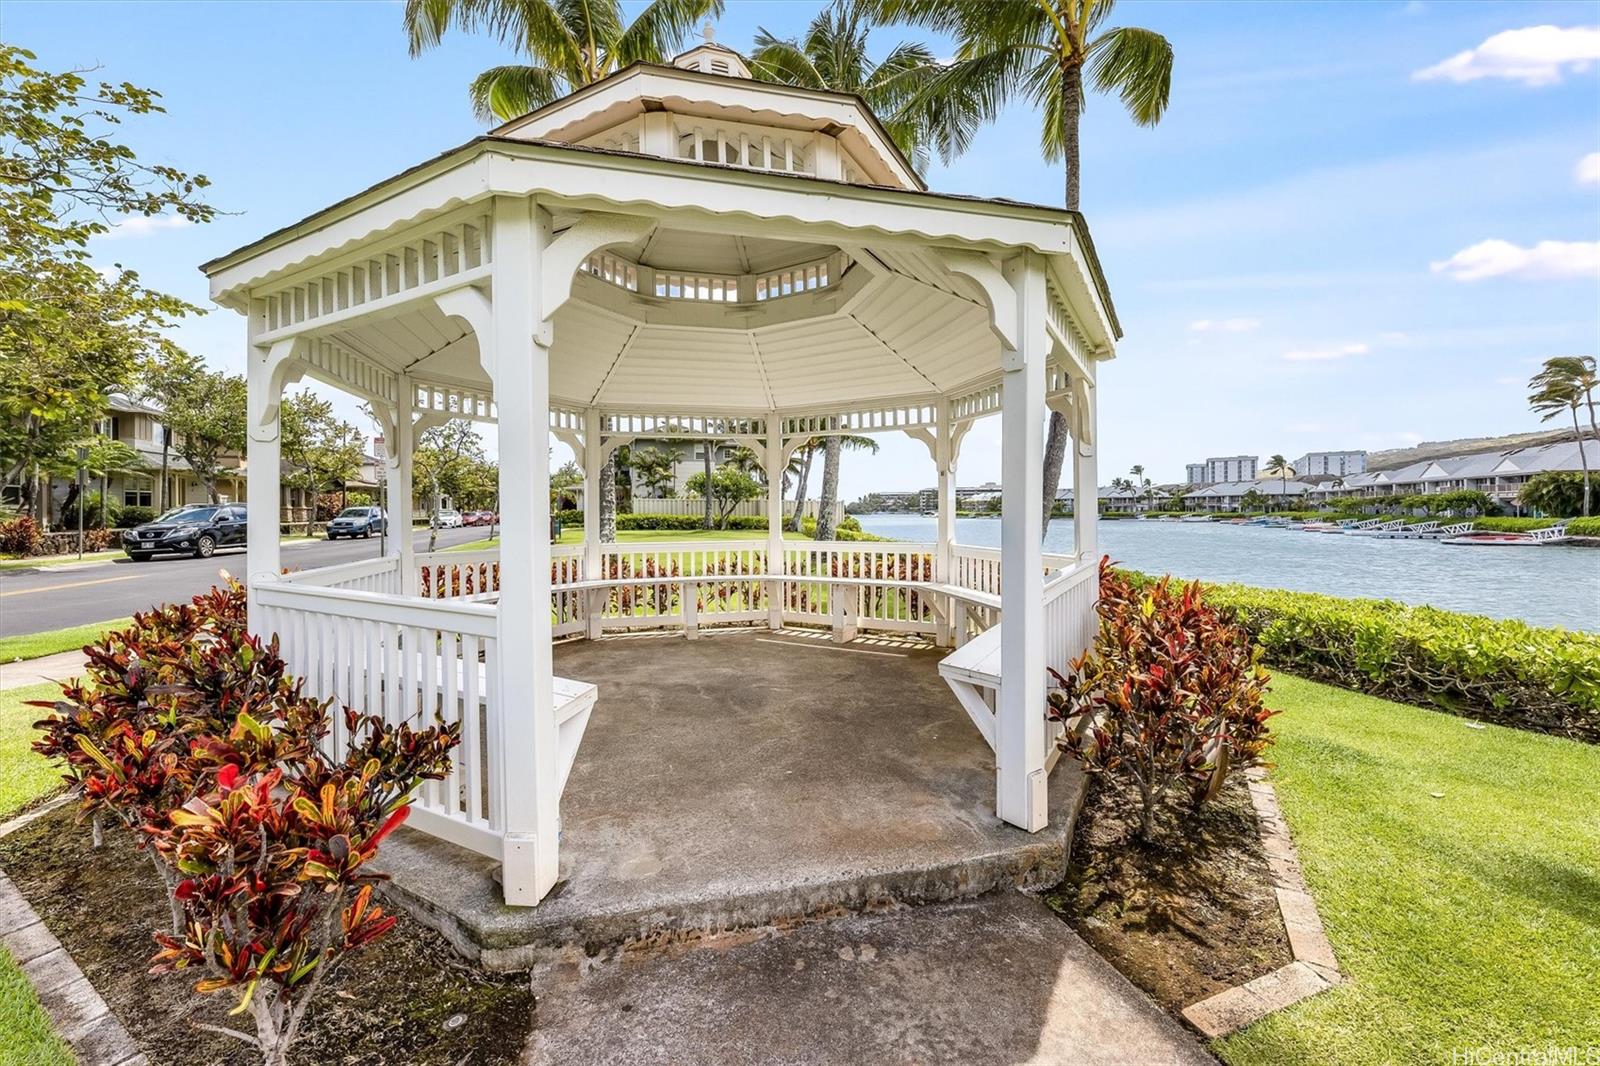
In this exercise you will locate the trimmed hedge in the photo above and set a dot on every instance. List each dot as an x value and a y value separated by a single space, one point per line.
1512 525
1583 527
1502 671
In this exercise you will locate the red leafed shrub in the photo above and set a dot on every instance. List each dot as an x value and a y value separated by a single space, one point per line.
277 882
1170 694
20 536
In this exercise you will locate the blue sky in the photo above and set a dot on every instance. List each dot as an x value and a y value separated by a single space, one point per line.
1297 251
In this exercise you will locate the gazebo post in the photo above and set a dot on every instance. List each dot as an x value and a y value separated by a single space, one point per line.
593 462
775 562
1085 474
268 369
529 785
399 461
1020 734
944 550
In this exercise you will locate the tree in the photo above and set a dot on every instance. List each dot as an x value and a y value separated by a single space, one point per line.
569 45
828 502
1560 387
443 459
321 448
802 474
203 409
1281 465
1039 52
833 55
656 470
562 482
69 335
730 487
1557 493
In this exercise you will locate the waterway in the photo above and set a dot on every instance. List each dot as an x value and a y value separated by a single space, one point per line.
1547 586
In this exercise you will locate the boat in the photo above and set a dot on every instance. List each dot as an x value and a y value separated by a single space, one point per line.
1196 518
1318 527
1536 538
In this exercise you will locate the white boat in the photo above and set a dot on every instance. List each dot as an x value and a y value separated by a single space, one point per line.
1535 538
1196 518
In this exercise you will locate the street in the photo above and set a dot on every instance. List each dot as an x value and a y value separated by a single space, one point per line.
33 601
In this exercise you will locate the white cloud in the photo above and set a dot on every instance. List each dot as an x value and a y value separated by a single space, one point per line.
1225 325
1547 260
1588 169
1537 55
1326 353
144 226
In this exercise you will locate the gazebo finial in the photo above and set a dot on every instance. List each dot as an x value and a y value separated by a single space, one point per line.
709 32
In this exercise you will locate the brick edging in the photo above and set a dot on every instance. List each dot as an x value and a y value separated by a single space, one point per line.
79 1014
1314 967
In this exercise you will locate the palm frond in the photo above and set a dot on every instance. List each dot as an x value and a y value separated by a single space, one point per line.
661 28
784 62
965 95
1136 64
509 91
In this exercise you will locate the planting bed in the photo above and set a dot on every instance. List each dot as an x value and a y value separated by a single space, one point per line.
404 998
1184 917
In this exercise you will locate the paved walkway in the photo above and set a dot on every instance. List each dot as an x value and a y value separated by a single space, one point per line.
999 980
57 667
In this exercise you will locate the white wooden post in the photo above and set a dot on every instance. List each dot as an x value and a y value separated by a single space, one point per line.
529 782
775 564
401 544
944 543
1085 492
593 462
1020 734
268 369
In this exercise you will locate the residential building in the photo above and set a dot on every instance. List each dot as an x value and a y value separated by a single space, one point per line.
1195 474
1500 474
688 460
1229 495
1224 468
1330 464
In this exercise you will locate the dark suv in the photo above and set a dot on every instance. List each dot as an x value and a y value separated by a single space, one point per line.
357 522
198 530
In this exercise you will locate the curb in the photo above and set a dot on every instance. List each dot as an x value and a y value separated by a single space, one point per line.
79 1014
1314 967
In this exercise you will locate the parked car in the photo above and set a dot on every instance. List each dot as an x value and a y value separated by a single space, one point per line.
358 522
448 519
197 529
480 518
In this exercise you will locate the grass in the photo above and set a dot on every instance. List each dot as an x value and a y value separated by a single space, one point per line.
574 535
33 645
25 1032
1455 871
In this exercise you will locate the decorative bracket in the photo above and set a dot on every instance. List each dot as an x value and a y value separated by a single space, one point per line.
476 308
564 255
281 367
997 291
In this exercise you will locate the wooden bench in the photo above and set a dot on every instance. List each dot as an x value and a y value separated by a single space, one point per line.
573 701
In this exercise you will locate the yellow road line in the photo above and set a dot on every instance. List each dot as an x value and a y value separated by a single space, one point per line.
69 585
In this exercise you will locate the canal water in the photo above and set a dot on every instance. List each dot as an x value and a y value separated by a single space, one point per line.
1547 586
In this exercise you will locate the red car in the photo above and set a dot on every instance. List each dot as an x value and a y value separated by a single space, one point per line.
480 518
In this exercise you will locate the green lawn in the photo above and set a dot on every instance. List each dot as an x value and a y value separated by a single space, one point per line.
33 645
25 1033
1457 870
574 535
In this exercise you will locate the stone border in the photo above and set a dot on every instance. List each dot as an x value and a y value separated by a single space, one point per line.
1314 968
79 1014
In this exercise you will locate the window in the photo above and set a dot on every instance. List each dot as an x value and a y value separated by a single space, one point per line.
137 496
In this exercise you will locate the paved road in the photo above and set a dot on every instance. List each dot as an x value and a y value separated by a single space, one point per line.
32 601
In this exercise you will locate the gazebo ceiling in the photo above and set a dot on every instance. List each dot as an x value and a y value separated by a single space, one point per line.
891 326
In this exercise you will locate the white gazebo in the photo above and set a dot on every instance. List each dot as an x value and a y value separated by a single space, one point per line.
672 250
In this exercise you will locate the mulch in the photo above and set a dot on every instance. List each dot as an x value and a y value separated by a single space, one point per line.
406 998
1184 916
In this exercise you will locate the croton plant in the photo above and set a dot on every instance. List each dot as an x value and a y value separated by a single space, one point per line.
192 734
1169 696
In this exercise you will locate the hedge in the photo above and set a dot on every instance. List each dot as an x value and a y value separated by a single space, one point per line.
1583 527
1512 525
1546 680
849 528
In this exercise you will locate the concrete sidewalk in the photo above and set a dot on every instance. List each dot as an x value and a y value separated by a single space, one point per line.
56 667
996 980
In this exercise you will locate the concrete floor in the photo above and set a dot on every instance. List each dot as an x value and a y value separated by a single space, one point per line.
1000 980
745 779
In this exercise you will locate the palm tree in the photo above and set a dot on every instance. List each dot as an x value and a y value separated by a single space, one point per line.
826 504
1281 465
568 44
833 56
803 456
1038 50
1555 389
